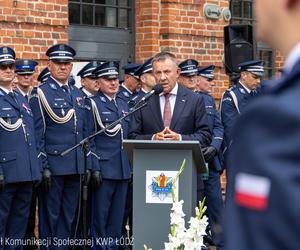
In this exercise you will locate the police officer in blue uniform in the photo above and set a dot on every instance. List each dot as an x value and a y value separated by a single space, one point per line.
147 79
89 82
263 196
131 82
19 167
61 122
24 71
44 75
110 196
188 73
212 185
236 99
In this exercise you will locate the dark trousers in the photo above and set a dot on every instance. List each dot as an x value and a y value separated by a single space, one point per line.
57 210
214 202
15 202
108 212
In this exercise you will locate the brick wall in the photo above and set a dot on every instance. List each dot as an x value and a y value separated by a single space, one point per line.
180 27
30 27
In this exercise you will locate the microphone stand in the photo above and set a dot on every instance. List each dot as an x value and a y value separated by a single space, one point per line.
84 143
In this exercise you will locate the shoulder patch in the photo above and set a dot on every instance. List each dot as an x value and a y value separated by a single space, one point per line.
52 86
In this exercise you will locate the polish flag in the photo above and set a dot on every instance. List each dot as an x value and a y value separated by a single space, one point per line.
252 191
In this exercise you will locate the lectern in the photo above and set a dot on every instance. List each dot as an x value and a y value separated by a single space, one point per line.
155 163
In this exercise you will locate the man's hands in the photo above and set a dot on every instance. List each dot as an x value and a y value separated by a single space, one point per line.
167 135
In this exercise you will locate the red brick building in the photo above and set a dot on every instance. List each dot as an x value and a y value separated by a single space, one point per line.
124 30
127 30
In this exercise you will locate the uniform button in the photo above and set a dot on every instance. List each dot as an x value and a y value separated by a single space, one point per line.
77 133
30 144
55 152
106 119
4 159
55 104
8 115
27 134
22 116
65 103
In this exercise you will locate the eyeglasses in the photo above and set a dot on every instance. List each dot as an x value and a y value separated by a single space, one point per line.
7 66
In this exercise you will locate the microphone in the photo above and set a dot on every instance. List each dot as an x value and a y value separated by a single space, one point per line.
156 90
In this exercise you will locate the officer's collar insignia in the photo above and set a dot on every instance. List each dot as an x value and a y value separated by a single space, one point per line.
126 94
52 85
102 99
242 90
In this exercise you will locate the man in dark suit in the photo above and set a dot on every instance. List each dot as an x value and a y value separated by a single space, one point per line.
263 205
176 114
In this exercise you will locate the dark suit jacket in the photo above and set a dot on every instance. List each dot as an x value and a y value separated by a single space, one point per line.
189 118
266 147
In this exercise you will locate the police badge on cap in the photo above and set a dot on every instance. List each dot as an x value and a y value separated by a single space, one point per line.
61 53
189 67
7 56
108 70
25 67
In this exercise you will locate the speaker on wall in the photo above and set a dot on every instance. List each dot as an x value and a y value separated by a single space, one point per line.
238 46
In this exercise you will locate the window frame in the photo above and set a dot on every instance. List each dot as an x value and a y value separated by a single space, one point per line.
116 6
259 47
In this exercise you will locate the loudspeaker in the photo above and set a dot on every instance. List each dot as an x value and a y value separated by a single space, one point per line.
238 46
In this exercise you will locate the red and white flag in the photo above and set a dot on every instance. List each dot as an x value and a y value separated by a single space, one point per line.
252 191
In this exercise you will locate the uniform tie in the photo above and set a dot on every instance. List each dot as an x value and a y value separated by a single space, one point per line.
167 111
65 88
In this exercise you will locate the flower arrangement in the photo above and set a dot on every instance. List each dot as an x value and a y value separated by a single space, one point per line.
181 238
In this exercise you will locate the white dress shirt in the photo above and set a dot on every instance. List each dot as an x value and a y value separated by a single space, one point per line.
172 99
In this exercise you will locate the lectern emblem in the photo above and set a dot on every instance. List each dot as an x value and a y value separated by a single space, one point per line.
161 186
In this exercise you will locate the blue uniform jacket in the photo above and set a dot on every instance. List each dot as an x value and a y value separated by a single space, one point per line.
124 94
266 148
230 111
18 151
216 127
189 118
54 137
114 163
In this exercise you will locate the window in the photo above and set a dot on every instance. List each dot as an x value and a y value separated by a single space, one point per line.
101 13
242 13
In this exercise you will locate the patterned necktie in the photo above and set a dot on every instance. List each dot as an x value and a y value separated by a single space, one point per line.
167 111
